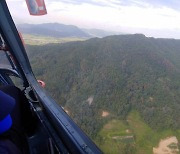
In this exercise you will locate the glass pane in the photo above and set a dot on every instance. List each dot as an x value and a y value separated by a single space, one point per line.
4 62
17 82
113 66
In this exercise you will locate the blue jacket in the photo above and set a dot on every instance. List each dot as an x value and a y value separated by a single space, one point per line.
8 147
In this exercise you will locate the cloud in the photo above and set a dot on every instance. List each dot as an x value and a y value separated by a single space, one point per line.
128 16
80 2
173 4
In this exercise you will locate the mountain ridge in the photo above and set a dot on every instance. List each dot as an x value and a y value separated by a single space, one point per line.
52 29
121 73
62 30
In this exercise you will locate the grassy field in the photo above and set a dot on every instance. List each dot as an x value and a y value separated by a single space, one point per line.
131 136
41 40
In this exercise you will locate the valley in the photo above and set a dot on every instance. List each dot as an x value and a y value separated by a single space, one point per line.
42 40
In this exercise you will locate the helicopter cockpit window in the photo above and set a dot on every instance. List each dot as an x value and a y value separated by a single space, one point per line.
4 60
113 65
8 71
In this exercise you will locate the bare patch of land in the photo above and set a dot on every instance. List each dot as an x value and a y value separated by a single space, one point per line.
128 131
167 146
151 99
105 114
90 100
122 137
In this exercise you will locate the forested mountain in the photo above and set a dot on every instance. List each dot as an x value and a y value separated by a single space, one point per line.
116 74
52 29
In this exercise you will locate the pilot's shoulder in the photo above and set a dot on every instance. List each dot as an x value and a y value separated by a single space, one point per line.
8 147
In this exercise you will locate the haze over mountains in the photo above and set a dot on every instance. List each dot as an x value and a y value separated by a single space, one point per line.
104 79
61 30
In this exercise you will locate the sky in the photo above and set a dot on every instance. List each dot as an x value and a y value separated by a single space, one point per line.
154 18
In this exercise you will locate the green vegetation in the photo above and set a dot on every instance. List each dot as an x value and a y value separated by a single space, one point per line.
133 133
122 74
173 146
42 40
114 137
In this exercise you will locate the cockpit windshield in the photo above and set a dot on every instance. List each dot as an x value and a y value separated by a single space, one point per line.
4 62
4 57
112 65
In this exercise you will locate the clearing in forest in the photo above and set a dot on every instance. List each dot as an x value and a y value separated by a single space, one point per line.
167 146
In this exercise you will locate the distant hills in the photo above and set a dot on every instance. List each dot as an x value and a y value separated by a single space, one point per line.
99 32
60 30
52 29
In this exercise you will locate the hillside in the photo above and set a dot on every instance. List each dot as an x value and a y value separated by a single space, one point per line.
100 80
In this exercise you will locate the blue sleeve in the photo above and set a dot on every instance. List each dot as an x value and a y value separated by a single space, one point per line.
8 147
3 149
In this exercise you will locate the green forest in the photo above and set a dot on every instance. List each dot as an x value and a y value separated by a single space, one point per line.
109 85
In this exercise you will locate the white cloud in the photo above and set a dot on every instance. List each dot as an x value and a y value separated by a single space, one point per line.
110 15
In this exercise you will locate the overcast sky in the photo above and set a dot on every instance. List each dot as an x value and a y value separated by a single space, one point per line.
157 18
